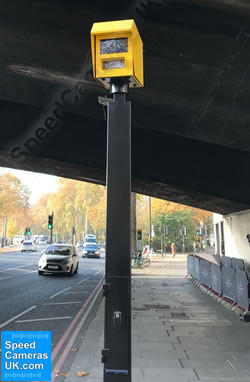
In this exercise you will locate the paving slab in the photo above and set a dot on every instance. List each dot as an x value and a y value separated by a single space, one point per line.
223 375
178 332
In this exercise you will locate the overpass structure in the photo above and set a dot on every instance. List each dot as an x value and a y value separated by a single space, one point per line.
190 124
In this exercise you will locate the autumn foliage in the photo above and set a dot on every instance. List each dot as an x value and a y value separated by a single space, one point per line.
78 204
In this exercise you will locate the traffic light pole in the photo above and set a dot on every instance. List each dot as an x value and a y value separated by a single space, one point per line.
51 230
116 354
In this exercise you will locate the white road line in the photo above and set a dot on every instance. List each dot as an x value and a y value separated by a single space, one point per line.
18 315
17 268
232 355
230 363
83 280
4 278
25 270
97 273
27 273
62 303
56 294
45 319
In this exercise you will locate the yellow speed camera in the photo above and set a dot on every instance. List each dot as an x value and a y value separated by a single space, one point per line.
117 51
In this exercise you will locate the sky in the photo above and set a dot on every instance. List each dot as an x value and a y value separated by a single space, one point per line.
37 183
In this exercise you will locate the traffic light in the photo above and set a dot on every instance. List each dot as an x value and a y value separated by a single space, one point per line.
27 231
198 232
50 221
139 234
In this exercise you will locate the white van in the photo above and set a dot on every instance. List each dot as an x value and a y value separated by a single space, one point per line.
90 239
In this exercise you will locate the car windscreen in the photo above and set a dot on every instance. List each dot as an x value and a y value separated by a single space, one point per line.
58 250
90 240
91 247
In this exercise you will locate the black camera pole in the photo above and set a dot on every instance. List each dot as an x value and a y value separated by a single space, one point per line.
116 355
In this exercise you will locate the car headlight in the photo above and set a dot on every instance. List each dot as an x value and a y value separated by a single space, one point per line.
43 261
65 261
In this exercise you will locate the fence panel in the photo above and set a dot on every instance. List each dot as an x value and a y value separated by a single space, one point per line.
228 277
216 278
238 264
197 268
205 273
190 265
226 261
242 289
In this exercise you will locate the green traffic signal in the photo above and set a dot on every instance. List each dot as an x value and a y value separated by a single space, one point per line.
27 231
50 221
198 233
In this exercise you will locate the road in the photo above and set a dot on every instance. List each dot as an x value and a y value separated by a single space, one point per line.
51 302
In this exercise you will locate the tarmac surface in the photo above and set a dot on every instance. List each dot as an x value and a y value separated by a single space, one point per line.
178 332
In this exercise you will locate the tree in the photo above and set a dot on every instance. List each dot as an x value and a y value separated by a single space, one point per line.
14 202
175 221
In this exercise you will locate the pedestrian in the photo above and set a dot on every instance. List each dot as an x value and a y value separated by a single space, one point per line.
173 249
195 245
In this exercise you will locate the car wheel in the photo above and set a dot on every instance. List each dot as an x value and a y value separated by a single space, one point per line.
71 271
76 270
40 273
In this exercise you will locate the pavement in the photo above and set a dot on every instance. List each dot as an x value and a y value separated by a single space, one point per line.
11 248
178 332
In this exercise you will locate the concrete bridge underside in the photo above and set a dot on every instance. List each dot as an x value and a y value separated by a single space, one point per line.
190 124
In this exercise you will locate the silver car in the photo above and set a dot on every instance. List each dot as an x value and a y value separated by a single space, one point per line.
91 250
59 258
29 246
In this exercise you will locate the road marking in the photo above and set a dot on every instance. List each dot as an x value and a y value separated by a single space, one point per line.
44 319
17 316
56 294
97 273
62 303
92 299
83 280
230 364
17 268
233 356
26 270
4 278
